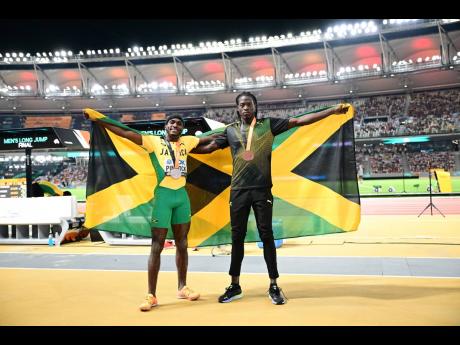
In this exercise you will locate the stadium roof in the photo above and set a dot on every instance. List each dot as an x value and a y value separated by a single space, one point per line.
416 57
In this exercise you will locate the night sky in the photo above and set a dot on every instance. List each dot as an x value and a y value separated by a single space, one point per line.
33 35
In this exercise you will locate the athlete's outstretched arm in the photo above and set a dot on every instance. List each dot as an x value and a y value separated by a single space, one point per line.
311 118
130 135
207 144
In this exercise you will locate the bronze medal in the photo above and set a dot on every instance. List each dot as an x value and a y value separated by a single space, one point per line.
247 155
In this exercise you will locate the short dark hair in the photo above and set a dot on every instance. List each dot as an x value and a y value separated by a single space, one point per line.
248 94
175 116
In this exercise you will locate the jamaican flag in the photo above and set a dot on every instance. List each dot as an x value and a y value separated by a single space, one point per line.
314 177
50 189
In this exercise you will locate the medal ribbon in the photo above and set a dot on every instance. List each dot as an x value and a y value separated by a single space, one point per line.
251 131
173 152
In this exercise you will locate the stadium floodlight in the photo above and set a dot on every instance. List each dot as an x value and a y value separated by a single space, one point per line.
117 50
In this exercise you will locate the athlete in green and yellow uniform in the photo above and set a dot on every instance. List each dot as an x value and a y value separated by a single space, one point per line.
171 204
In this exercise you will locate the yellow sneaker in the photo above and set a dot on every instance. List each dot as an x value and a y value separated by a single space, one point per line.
149 303
187 293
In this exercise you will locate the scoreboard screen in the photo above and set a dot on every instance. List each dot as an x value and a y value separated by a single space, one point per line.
42 138
14 139
13 188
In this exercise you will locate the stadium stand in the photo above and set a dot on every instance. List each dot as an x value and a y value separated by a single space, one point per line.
426 112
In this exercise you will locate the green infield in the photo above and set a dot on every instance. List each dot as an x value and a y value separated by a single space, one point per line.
396 186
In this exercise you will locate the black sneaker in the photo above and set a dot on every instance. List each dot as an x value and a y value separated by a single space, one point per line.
276 295
231 293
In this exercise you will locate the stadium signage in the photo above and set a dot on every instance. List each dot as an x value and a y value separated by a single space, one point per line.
39 138
17 140
24 142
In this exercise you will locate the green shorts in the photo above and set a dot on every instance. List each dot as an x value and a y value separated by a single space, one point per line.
170 206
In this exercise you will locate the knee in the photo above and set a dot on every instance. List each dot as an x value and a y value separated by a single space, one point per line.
181 244
266 236
157 245
238 237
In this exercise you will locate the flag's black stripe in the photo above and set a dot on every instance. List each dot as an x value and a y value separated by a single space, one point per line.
208 181
333 164
106 167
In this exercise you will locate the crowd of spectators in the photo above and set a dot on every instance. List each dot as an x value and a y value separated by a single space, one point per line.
427 112
400 158
70 177
420 162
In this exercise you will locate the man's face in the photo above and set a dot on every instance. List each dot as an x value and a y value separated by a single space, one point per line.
246 108
174 127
